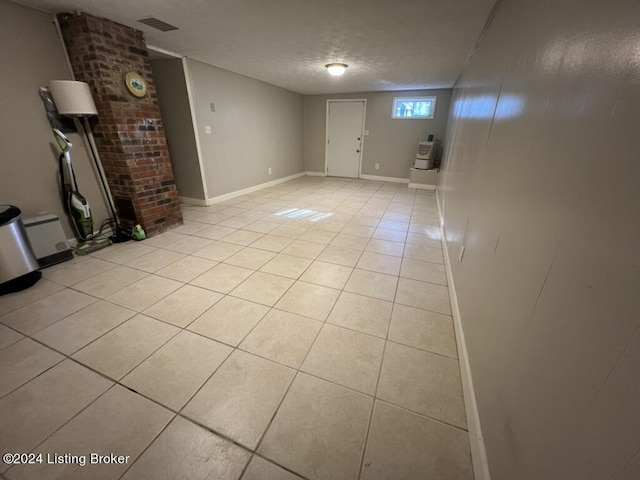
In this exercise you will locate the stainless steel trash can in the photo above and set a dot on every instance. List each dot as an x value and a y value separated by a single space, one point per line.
16 256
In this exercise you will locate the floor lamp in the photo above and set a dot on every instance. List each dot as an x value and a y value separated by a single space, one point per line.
73 99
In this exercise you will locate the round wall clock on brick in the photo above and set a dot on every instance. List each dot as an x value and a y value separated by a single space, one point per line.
135 84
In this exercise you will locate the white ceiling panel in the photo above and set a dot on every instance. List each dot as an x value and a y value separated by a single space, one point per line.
388 45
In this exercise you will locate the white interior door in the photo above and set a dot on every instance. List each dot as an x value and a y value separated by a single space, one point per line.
345 120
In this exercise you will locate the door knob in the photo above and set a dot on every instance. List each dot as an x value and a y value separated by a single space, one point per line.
357 151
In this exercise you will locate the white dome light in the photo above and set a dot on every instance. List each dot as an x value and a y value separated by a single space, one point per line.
336 69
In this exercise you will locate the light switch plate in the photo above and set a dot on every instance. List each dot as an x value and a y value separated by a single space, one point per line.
207 129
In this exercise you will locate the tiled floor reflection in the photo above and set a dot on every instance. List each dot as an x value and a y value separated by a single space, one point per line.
299 332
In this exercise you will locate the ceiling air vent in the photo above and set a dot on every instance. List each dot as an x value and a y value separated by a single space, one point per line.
159 24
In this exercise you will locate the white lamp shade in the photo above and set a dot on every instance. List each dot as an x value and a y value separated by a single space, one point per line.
72 98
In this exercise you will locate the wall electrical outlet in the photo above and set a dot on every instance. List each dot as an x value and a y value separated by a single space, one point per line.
377 166
461 254
207 129
269 171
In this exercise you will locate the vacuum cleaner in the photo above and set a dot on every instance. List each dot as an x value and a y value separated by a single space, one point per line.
75 205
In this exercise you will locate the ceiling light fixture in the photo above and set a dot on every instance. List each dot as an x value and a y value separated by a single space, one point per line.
336 69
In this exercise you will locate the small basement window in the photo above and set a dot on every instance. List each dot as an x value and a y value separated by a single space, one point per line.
413 107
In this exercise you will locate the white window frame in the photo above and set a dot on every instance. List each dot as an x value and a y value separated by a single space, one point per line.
415 99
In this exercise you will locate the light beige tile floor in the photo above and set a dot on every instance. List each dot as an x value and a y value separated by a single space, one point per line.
241 397
299 332
65 389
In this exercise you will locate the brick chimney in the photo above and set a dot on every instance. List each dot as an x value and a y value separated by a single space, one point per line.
129 131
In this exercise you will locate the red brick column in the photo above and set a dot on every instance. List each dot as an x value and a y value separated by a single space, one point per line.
128 132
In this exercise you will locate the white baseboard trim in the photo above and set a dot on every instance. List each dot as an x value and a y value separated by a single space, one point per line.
255 188
385 179
193 201
316 174
476 440
422 186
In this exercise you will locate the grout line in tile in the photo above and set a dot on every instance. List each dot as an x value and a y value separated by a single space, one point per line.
259 455
164 266
131 464
212 430
34 377
69 420
433 419
363 210
277 409
246 466
422 349
73 313
375 395
298 370
35 301
425 309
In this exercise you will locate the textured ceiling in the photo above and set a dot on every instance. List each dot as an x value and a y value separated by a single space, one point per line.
388 44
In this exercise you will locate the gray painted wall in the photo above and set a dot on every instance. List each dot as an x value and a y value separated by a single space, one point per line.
256 126
541 187
176 115
391 143
29 160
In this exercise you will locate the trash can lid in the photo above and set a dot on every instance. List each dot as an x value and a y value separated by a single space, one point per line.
8 213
